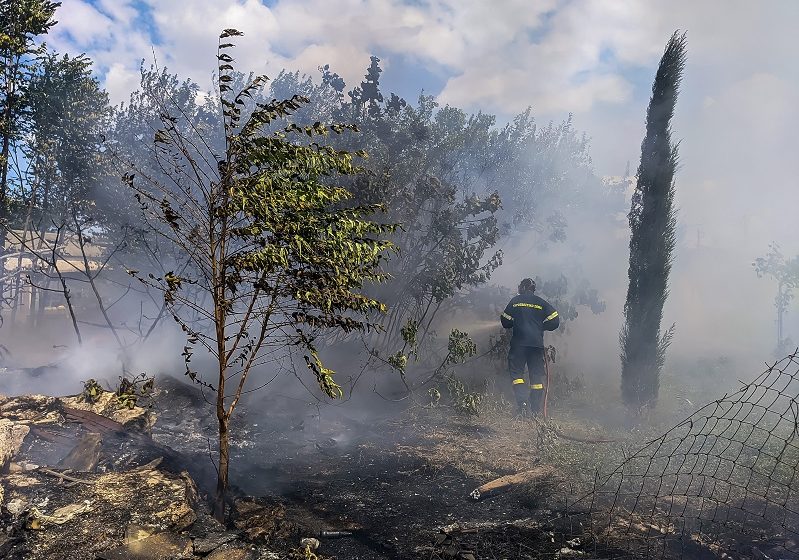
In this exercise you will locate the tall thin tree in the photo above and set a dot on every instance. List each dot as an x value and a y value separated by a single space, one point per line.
21 23
652 220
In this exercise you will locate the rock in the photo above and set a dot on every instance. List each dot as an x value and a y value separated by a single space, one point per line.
211 542
11 436
22 466
163 546
16 506
206 525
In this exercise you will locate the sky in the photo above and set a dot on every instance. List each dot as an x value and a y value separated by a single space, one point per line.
736 118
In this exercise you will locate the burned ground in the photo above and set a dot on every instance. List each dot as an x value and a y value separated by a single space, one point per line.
397 486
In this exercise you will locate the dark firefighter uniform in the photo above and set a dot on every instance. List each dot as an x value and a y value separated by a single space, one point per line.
529 316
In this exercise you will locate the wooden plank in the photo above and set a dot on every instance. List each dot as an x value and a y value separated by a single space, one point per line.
93 422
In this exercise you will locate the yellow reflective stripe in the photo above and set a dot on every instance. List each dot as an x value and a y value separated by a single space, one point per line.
537 386
533 305
518 381
555 314
508 317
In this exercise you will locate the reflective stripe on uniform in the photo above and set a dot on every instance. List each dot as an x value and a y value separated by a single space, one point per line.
508 317
555 314
536 386
518 381
533 305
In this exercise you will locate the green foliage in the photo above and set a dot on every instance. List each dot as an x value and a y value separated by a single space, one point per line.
652 220
458 183
68 112
398 361
21 23
278 248
557 292
324 376
499 347
131 390
460 347
409 333
464 401
91 391
289 248
442 173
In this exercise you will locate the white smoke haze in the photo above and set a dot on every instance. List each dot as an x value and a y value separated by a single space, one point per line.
736 122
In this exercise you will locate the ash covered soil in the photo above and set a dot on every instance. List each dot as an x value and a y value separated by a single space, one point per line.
391 485
400 483
397 488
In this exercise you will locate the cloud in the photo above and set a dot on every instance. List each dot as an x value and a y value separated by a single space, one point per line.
120 80
489 53
83 23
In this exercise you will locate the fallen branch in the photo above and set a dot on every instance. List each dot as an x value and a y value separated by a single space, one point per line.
63 476
505 483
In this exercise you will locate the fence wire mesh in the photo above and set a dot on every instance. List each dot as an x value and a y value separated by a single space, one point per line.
722 483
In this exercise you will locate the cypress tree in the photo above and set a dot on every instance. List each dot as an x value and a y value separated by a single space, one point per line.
652 221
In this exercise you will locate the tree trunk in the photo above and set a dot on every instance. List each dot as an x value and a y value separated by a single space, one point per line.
33 306
222 475
28 227
4 161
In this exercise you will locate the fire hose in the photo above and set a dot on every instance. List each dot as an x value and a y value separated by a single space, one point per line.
546 383
546 413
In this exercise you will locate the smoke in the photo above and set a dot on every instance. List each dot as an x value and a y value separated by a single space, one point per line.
53 363
736 122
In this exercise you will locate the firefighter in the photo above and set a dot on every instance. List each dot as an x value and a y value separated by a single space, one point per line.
529 316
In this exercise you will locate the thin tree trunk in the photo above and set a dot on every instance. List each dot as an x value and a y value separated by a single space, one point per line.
223 467
93 284
51 268
68 299
4 162
28 227
33 306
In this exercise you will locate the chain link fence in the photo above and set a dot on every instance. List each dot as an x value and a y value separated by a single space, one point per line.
721 484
